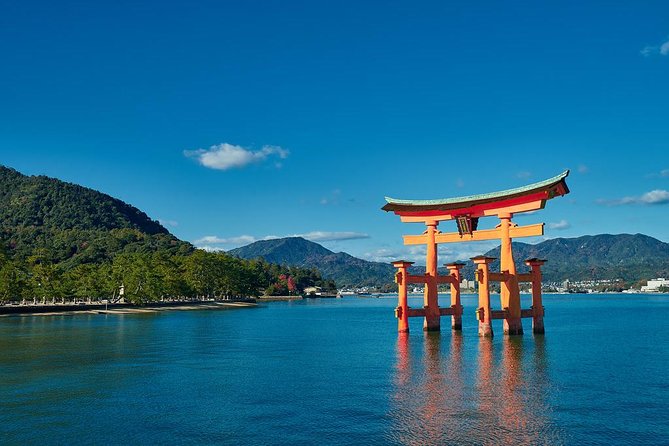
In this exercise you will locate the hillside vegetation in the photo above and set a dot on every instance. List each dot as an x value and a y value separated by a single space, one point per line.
604 256
344 269
72 223
628 257
63 241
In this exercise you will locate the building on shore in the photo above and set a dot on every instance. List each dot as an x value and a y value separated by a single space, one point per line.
654 285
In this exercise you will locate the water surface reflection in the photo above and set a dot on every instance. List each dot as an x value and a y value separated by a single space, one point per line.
448 391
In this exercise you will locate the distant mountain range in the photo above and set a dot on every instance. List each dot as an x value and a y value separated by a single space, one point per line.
624 256
604 256
345 269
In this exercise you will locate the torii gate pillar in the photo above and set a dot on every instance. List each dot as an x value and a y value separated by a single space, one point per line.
509 290
402 280
537 304
484 312
456 305
431 297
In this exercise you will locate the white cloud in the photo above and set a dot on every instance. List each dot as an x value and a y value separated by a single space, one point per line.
333 199
228 156
416 253
463 251
662 49
562 224
322 236
383 255
648 50
657 196
664 173
170 223
525 214
524 175
213 240
210 248
583 169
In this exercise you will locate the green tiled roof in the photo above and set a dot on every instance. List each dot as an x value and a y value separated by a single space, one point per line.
478 198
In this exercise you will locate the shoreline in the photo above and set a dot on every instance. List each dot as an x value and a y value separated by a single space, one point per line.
279 298
121 308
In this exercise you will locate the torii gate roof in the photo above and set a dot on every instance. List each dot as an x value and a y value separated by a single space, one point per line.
521 199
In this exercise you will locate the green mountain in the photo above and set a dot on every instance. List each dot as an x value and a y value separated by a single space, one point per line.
74 224
343 268
628 257
604 256
60 241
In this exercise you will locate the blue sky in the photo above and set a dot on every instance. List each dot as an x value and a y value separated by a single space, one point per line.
236 121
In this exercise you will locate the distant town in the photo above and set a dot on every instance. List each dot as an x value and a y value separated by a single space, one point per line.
658 285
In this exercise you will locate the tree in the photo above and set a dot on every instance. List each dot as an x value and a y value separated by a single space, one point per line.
86 282
140 281
200 271
169 271
44 276
12 281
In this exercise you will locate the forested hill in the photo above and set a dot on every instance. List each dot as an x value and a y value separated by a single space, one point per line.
631 257
27 201
604 256
283 251
73 223
60 241
341 267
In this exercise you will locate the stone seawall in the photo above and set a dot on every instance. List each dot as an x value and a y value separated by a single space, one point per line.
278 298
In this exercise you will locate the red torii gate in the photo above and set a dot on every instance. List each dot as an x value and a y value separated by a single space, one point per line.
467 211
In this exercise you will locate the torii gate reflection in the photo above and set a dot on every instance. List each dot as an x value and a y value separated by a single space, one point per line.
438 399
428 398
467 211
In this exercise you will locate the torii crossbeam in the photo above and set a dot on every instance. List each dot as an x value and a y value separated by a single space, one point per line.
467 211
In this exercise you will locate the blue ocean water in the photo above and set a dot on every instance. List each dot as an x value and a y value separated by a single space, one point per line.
335 371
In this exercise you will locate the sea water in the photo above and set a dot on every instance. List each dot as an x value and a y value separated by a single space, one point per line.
335 371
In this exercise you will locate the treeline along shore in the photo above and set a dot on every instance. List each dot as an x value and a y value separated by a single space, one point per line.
140 278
